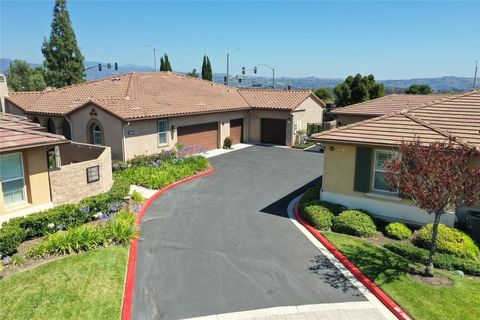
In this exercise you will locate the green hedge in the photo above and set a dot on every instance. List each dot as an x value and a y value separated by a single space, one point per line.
120 230
398 230
449 240
313 194
441 260
63 217
355 223
317 215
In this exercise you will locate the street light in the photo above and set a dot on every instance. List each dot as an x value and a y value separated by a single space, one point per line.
228 66
273 73
154 56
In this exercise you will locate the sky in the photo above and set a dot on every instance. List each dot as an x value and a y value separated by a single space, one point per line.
390 39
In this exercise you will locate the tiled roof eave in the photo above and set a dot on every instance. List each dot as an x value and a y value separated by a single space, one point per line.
33 145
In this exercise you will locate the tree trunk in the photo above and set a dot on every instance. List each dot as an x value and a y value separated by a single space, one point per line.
433 245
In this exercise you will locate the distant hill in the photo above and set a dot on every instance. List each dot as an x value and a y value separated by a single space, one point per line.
440 84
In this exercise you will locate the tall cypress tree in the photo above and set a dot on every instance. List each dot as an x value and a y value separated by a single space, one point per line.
206 69
63 58
165 63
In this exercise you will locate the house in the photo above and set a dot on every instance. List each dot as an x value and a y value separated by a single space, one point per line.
39 170
143 113
381 106
355 154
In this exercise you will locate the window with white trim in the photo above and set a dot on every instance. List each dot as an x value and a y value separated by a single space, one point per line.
12 178
379 181
162 131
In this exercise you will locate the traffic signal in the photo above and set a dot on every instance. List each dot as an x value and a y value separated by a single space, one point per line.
255 70
240 80
225 80
109 65
116 66
99 67
243 70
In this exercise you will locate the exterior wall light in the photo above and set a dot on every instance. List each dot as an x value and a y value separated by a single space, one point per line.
331 148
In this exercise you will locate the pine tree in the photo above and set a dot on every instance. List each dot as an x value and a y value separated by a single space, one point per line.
165 63
206 69
63 58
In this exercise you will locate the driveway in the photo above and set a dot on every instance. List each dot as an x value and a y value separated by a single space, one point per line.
224 243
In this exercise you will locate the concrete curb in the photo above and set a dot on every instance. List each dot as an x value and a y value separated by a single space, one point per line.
374 289
132 259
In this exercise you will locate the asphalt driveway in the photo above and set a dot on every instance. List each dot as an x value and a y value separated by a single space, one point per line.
223 243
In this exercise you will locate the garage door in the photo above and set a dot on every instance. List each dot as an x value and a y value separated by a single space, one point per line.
205 134
236 130
274 131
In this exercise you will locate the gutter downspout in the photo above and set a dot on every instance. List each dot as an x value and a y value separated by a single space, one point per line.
124 147
71 128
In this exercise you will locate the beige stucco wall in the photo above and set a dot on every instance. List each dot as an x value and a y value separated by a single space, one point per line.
338 183
343 120
112 128
69 182
141 137
36 180
307 112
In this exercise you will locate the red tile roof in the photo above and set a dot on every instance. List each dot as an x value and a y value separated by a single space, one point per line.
18 133
143 95
277 99
388 104
457 117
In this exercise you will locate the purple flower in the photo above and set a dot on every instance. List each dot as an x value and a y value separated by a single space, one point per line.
104 216
85 210
136 208
115 207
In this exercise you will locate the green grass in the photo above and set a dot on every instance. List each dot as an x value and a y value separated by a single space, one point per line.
421 301
84 286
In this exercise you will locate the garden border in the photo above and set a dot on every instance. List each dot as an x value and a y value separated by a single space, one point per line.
132 259
374 289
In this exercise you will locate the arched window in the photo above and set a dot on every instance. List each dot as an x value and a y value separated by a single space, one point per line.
35 120
51 126
95 133
67 133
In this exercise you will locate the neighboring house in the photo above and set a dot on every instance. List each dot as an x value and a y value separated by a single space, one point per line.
39 170
381 106
143 113
355 154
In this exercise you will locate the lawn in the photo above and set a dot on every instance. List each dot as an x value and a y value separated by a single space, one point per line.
84 286
420 300
303 145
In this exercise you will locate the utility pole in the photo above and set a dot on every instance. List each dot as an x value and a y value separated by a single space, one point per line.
273 73
154 56
475 77
228 63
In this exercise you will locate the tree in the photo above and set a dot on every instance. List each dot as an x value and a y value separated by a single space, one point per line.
437 177
21 77
193 73
63 59
419 89
206 69
324 94
357 89
165 63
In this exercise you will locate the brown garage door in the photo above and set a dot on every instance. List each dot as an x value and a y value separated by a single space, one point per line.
236 130
274 131
205 134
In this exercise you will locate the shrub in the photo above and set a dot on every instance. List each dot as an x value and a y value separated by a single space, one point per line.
317 215
355 223
179 146
118 166
312 194
18 260
441 260
108 202
154 160
11 235
398 230
119 230
227 143
450 240
166 173
137 197
336 208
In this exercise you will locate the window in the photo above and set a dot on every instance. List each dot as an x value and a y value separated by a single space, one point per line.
96 134
379 182
11 175
162 132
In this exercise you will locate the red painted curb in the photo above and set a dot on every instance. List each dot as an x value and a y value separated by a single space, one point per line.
377 292
132 259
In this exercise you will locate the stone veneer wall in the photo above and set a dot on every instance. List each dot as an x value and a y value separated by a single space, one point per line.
69 183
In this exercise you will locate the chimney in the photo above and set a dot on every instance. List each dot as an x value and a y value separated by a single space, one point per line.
3 91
